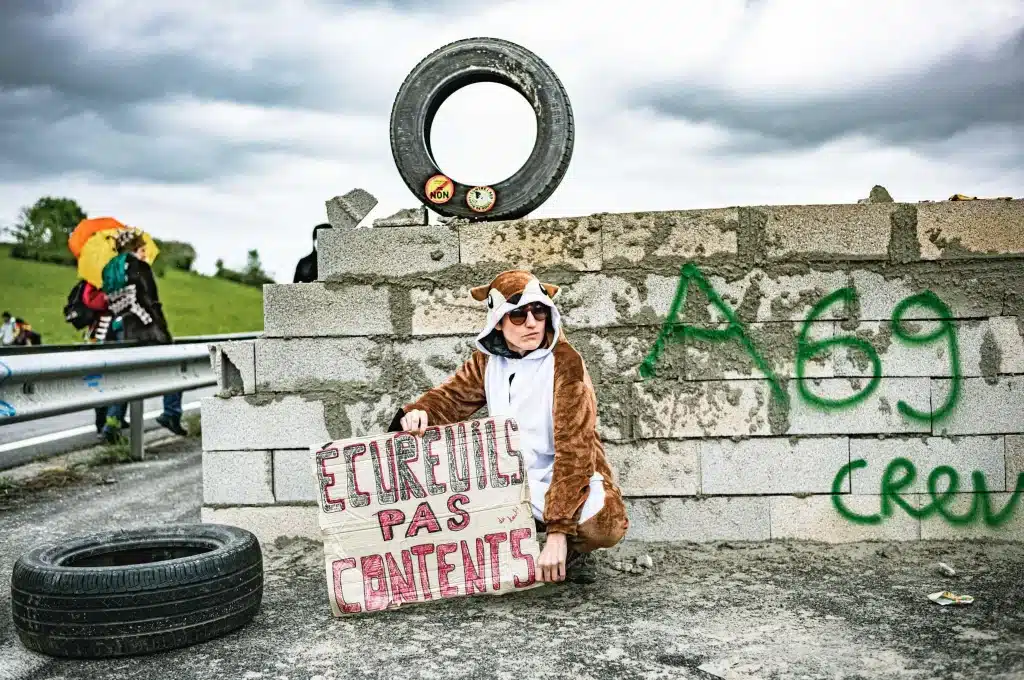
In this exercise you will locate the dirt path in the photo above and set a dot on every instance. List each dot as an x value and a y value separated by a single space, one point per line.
712 611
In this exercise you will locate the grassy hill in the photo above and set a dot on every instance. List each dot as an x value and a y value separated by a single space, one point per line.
194 304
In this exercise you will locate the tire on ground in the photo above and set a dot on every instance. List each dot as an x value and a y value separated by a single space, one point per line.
136 591
466 62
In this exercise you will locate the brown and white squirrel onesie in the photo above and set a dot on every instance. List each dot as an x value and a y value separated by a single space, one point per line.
551 397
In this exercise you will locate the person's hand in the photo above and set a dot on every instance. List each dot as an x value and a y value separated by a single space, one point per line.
415 421
551 565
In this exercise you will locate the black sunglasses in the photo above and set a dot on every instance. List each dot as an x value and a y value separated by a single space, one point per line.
518 315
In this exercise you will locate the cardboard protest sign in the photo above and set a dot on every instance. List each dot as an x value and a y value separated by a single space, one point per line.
409 519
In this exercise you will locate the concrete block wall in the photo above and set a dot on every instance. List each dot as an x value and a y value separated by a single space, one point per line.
730 439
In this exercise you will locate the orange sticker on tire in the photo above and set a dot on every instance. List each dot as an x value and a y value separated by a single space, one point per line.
439 189
480 199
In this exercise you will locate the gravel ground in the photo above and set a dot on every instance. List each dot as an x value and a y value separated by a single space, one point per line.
776 610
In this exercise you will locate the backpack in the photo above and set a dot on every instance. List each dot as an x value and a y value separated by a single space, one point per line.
76 312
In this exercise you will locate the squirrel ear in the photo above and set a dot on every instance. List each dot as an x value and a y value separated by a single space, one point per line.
550 289
480 292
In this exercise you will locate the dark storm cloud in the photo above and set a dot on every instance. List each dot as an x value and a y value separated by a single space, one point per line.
918 110
66 106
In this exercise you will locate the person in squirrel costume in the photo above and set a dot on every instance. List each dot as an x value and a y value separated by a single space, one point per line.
525 368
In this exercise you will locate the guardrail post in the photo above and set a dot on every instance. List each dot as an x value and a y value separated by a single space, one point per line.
136 429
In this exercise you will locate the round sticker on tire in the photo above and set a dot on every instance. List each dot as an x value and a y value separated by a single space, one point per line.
480 199
439 189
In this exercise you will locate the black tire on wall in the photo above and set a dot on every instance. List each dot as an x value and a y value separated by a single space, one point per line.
137 591
463 63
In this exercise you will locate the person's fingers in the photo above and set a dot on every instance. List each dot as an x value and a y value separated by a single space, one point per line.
561 570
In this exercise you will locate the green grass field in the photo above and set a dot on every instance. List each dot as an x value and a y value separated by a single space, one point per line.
194 304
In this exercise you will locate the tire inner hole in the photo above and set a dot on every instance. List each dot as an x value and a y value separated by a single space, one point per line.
483 134
122 557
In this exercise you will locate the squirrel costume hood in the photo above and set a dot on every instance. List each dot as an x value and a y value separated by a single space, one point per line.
507 291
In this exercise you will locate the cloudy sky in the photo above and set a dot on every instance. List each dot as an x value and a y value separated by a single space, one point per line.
228 123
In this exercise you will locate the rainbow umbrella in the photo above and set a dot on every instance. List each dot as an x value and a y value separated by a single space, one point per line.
100 248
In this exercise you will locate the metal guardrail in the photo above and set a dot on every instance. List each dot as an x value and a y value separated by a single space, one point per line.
19 350
40 385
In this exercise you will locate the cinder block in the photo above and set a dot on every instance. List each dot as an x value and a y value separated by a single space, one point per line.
615 354
877 414
269 522
312 364
668 237
835 232
771 465
981 408
237 478
774 342
614 412
297 310
346 212
937 527
407 217
570 243
398 251
963 454
436 359
1014 460
988 347
698 520
714 408
815 518
599 300
446 311
967 229
294 477
234 364
262 423
656 468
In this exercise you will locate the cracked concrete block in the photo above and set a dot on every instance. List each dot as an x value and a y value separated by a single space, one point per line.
713 408
570 243
297 310
407 217
876 414
446 311
255 423
698 520
963 454
615 354
986 348
437 358
669 237
970 229
656 468
981 407
295 477
346 212
937 527
833 232
268 523
237 478
316 364
775 343
771 465
597 301
234 364
399 251
1014 460
815 518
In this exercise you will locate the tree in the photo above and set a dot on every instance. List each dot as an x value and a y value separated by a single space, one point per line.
42 230
252 275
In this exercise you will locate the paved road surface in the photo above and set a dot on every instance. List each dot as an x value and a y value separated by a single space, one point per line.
779 610
21 442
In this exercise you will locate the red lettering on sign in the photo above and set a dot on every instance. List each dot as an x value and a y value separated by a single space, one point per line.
375 596
476 574
423 518
387 520
515 538
443 569
494 540
403 585
337 567
463 517
421 552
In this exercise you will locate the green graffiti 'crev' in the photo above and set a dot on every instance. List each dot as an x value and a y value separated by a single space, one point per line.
677 331
931 302
900 473
807 350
